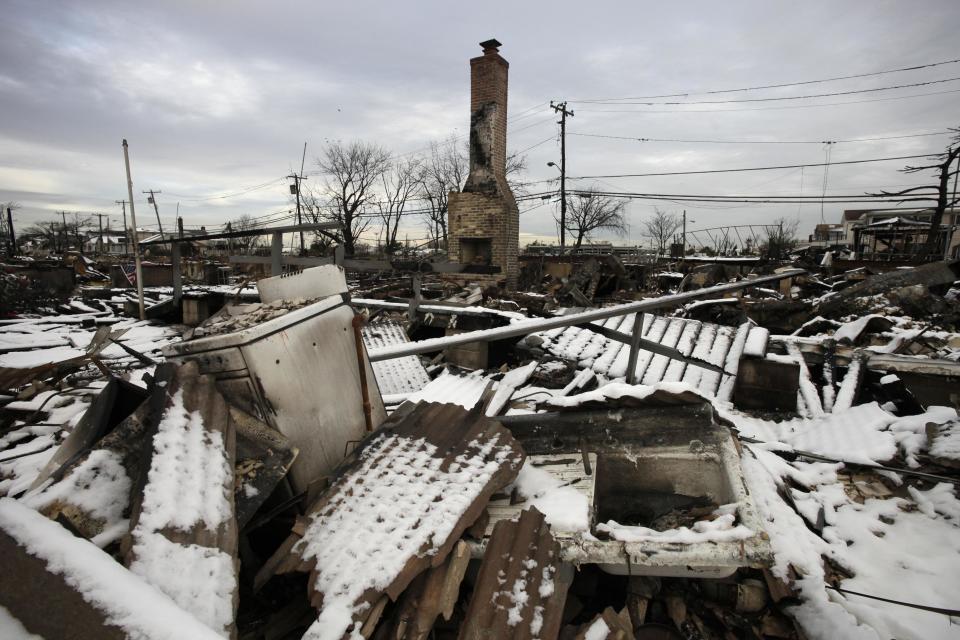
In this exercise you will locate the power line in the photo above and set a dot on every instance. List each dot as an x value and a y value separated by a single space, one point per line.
242 191
864 199
784 84
779 98
534 146
691 141
794 106
785 166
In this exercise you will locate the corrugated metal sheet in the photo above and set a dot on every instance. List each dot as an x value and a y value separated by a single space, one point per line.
462 389
400 375
719 345
522 584
397 507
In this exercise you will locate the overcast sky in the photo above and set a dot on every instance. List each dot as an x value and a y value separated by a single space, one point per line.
216 98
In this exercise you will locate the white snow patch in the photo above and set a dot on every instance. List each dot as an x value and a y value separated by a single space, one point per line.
125 599
563 507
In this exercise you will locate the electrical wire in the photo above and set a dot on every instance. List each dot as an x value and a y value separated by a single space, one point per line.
243 191
781 98
786 84
794 106
785 166
681 140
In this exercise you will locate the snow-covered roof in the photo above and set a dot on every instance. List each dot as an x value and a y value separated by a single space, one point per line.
399 375
713 343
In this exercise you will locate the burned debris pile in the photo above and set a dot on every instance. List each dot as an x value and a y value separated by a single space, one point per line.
720 454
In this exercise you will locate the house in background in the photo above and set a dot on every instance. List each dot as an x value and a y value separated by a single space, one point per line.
896 234
107 243
828 235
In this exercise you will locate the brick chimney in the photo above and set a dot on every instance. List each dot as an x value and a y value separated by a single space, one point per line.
488 120
484 222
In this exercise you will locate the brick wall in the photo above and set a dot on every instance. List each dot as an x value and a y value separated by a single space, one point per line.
493 216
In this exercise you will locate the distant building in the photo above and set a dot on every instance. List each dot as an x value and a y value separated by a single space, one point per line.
895 234
113 244
828 235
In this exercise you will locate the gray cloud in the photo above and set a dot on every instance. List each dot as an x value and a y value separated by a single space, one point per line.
217 97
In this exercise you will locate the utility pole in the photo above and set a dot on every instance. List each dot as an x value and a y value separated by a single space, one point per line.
126 231
295 188
683 242
133 221
153 200
561 108
66 236
13 236
946 244
100 227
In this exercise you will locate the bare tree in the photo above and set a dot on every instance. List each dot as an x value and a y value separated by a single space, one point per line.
246 244
589 211
353 171
5 235
781 238
445 171
401 182
661 227
937 193
49 233
516 167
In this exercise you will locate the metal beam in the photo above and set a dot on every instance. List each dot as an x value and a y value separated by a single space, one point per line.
305 261
634 341
318 226
527 327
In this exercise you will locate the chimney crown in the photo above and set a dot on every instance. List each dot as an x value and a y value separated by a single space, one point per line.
490 46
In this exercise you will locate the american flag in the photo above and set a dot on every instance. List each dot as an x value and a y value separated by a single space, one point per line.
130 272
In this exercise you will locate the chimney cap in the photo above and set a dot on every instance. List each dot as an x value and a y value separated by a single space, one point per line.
491 45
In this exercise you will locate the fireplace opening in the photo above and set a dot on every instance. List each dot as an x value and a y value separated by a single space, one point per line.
476 251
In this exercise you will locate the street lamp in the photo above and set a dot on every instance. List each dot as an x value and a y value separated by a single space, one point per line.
563 204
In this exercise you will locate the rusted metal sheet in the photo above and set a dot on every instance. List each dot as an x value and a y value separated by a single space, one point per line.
396 507
433 593
193 451
522 585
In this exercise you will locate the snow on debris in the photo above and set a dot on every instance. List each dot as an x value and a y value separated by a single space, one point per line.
722 528
617 390
865 539
597 631
185 490
911 434
187 474
454 388
506 386
99 486
858 434
362 541
398 375
200 579
13 629
712 343
565 508
125 599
